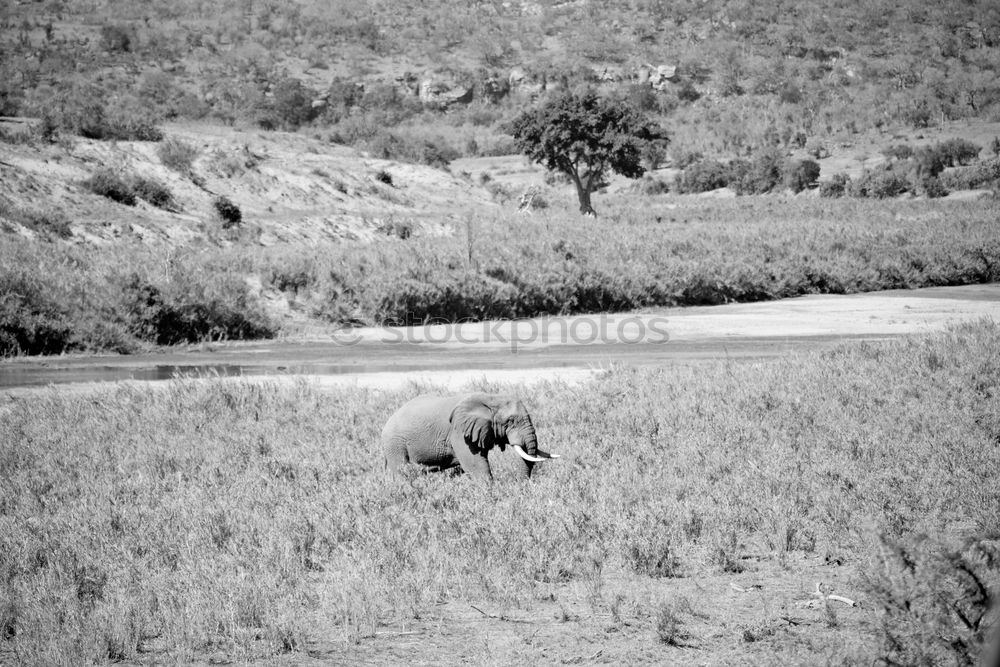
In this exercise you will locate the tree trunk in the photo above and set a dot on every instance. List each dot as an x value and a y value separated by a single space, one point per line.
583 194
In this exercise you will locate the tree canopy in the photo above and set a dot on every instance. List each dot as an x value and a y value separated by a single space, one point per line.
584 136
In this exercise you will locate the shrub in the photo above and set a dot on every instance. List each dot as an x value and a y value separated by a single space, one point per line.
32 320
641 97
929 160
50 223
229 163
654 154
188 311
116 38
471 147
402 229
898 152
957 152
228 211
703 176
688 93
110 184
932 187
983 175
835 187
499 192
880 184
653 186
154 192
385 97
937 600
177 154
289 106
434 152
127 124
437 153
88 112
25 134
344 94
84 110
801 174
53 223
382 176
760 175
917 114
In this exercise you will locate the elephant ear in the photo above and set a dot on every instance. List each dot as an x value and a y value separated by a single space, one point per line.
474 420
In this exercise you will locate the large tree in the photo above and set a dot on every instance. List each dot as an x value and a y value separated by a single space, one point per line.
584 135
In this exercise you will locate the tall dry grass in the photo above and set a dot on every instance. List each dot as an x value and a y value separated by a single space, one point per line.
201 517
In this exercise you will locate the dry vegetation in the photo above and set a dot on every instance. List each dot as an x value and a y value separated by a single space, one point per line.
210 517
690 251
748 75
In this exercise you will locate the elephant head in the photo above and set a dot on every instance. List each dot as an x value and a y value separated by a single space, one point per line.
489 421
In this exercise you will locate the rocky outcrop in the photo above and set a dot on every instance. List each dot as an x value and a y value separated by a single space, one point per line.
407 84
657 77
439 93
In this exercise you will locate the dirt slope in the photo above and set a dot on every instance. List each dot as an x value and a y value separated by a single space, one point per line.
289 187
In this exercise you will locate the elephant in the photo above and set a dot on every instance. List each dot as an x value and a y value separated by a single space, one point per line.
444 432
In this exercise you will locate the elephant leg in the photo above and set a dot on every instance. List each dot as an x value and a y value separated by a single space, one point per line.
509 465
475 464
396 456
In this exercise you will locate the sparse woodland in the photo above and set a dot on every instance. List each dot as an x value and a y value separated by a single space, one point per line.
745 76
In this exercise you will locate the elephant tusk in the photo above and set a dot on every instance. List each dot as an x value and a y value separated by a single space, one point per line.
525 455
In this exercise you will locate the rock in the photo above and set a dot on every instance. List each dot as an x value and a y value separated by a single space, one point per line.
656 77
442 94
407 84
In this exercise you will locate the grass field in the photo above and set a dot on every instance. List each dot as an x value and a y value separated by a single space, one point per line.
645 252
693 513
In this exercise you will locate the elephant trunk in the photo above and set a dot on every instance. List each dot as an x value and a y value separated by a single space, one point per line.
525 442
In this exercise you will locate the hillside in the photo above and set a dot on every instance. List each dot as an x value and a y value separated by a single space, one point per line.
429 81
289 188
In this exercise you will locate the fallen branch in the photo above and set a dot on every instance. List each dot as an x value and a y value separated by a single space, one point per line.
500 618
483 612
794 621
